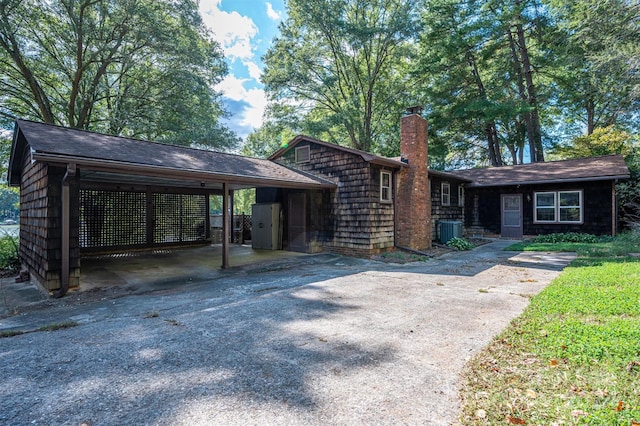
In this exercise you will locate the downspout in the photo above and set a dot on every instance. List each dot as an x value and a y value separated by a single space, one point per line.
395 208
66 230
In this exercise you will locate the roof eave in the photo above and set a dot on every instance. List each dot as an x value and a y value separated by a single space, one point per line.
171 172
547 181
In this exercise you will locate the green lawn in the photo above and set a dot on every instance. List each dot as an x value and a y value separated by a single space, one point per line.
573 357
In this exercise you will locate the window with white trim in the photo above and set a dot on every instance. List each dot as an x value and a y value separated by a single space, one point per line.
385 187
558 207
460 195
445 193
303 154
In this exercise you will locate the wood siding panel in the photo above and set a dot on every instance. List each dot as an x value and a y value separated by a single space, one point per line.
440 212
597 208
41 225
351 218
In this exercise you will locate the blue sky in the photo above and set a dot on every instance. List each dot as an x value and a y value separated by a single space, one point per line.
244 29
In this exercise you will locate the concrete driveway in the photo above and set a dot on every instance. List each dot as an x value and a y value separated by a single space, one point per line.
327 340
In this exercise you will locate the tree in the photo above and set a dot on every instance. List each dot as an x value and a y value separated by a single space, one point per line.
600 73
602 141
140 68
344 62
479 58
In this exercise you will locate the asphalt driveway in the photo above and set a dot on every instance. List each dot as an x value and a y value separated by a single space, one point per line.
328 340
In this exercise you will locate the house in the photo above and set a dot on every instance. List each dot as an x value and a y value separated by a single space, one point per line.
84 193
541 198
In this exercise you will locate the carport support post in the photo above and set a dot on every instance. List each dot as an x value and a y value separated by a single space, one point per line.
66 230
225 225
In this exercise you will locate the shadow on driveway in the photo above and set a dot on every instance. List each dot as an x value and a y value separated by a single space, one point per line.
327 340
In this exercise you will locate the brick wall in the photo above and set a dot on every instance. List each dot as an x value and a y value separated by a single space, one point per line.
413 222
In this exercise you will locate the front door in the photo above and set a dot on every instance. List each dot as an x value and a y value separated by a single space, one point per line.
297 222
511 216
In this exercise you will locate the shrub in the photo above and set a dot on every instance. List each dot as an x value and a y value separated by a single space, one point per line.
9 253
460 244
567 237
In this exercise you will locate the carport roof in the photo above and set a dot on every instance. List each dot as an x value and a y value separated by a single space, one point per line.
113 158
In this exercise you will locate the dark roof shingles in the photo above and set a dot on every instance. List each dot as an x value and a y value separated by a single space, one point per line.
582 169
49 139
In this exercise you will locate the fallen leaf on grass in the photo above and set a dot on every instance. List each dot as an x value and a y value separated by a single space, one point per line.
620 406
515 421
531 393
634 423
579 413
481 414
553 362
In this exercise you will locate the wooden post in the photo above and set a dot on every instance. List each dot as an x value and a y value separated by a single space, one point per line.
66 230
225 225
150 214
614 209
207 218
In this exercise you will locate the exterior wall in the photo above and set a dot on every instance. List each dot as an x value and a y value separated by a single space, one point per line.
350 219
483 208
440 212
41 225
413 222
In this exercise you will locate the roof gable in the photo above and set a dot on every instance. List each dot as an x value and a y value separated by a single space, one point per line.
366 156
49 143
608 167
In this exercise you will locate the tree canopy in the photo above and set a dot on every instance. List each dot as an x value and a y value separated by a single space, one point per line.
345 63
501 82
141 68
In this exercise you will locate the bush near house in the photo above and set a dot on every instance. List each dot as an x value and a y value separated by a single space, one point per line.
573 357
460 244
9 254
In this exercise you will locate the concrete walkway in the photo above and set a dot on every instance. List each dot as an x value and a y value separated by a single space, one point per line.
322 340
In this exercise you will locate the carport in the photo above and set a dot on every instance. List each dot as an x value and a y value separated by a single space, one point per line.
83 192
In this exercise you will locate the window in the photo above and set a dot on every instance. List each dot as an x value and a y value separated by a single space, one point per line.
461 196
303 154
385 187
445 193
558 207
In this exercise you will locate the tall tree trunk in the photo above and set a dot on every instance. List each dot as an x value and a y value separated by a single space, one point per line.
531 90
493 144
591 115
523 95
9 44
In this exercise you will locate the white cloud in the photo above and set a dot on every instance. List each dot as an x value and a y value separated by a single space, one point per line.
232 30
233 88
237 37
273 14
254 70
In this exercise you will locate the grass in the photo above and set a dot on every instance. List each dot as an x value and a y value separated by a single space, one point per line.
573 357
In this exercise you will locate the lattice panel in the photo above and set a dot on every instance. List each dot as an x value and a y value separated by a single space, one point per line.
179 218
112 218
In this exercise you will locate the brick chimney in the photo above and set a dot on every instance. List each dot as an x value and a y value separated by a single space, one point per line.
413 199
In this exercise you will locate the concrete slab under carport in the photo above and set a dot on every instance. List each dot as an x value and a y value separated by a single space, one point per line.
152 270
